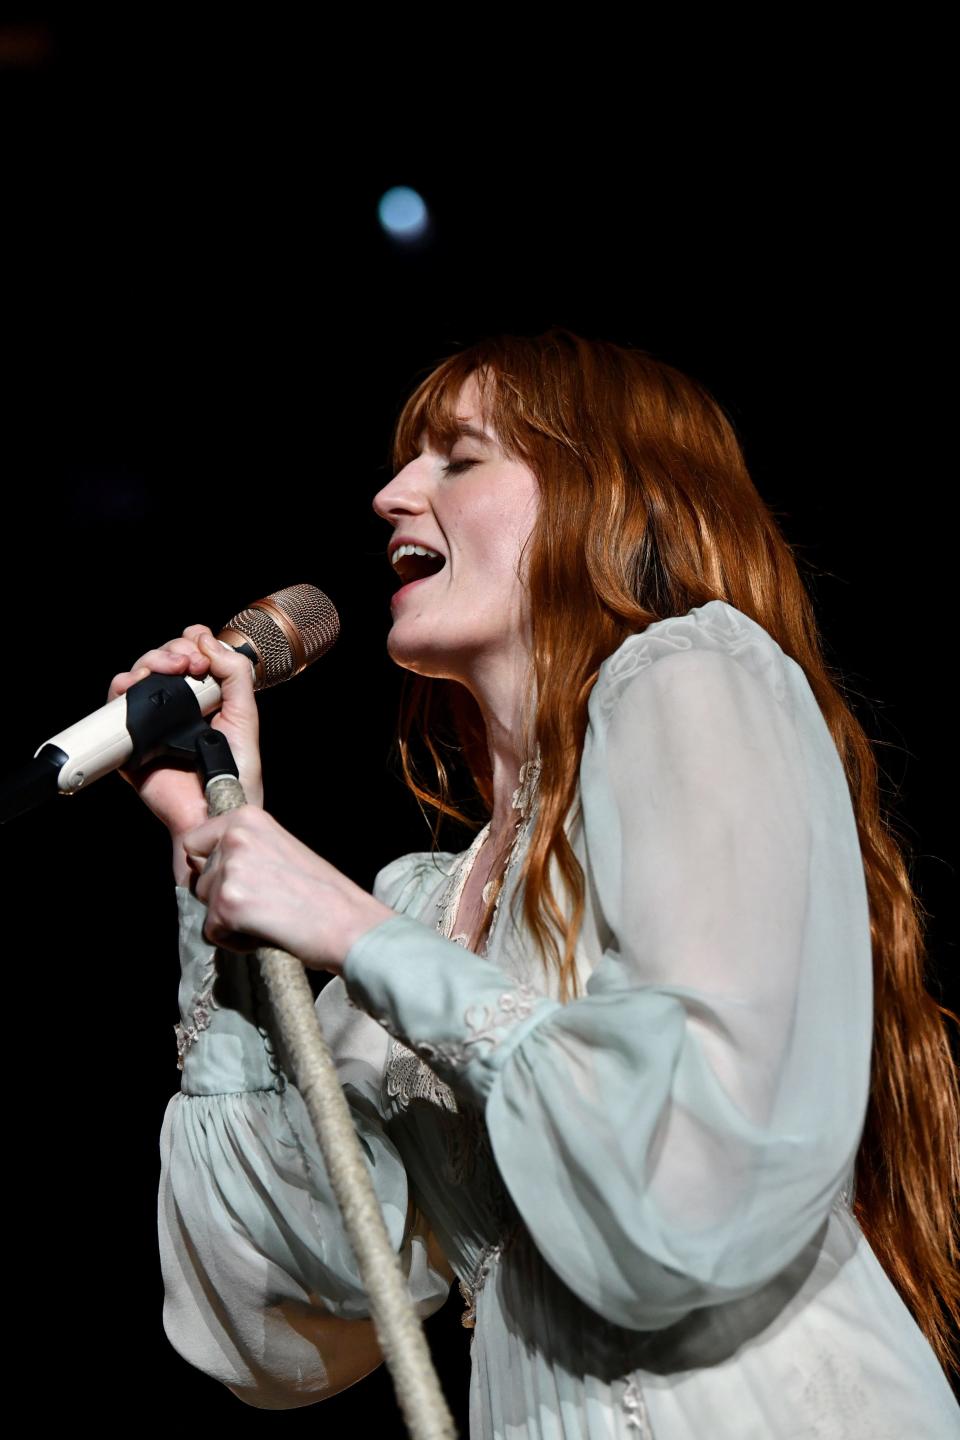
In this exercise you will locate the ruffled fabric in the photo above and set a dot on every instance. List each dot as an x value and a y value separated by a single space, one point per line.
259 1277
644 1193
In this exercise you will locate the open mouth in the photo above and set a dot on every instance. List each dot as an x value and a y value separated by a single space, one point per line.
417 567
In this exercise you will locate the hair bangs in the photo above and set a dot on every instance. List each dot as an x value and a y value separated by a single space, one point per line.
430 415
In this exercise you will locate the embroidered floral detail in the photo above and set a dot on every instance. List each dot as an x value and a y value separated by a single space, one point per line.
728 630
203 1004
408 1076
200 1007
836 1400
635 1409
486 1025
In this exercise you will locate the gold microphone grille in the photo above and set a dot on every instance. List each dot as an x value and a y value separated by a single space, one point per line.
304 630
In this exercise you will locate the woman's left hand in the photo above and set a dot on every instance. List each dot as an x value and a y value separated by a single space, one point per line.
262 886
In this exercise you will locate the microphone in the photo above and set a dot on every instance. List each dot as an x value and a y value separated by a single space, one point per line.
280 635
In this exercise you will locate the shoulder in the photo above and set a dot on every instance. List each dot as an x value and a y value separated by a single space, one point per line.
402 882
717 630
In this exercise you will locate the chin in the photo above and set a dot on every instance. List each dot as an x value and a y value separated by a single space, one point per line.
433 663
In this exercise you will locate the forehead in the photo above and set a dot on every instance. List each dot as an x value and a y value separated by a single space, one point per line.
468 419
468 401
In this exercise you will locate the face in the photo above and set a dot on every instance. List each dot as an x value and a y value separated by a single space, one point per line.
475 508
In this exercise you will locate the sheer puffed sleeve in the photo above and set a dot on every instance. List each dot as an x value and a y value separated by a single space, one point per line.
674 1137
261 1290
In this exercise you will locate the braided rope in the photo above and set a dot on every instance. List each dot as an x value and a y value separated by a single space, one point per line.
398 1327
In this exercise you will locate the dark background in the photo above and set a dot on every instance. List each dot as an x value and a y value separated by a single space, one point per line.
206 341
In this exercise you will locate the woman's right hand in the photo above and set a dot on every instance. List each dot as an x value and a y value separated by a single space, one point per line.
172 790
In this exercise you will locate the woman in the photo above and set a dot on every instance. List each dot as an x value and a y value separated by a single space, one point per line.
612 1064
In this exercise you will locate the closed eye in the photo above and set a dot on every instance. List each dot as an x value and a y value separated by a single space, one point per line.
453 467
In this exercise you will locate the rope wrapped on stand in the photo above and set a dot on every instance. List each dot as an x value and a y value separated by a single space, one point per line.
398 1327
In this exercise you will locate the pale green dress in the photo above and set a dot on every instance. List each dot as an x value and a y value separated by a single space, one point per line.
645 1193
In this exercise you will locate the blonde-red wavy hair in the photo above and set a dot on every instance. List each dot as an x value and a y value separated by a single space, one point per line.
646 511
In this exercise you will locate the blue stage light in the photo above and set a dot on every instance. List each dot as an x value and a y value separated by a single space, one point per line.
403 213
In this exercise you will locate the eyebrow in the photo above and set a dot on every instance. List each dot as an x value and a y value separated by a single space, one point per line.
467 431
471 432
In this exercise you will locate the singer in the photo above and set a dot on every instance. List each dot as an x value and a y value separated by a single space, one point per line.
649 1068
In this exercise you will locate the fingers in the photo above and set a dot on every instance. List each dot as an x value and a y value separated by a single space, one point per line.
122 681
232 670
200 842
194 862
181 656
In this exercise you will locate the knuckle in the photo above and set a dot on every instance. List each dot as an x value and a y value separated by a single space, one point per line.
234 839
231 897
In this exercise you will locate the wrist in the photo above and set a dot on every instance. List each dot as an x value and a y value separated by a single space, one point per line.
362 914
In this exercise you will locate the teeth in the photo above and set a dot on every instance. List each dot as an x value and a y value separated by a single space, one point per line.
402 550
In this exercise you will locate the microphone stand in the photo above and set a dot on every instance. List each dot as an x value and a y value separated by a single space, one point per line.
397 1325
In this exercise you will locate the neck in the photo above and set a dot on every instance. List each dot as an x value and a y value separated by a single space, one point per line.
500 691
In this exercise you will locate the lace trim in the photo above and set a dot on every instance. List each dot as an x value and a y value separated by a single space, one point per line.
408 1076
203 1004
200 1013
635 1410
449 902
486 1260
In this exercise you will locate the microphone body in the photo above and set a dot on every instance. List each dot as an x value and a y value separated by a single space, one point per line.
105 740
280 635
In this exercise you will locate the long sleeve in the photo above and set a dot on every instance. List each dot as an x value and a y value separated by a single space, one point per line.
261 1290
675 1136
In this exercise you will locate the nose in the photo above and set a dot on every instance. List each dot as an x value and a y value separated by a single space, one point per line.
404 495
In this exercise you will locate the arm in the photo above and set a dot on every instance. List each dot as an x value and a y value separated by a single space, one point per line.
693 1116
260 1287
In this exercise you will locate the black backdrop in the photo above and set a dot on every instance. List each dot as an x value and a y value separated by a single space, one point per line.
207 339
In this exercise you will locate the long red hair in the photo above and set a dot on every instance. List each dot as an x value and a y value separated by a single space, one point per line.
646 511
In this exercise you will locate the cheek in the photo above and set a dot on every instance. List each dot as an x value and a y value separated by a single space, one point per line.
493 571
500 540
